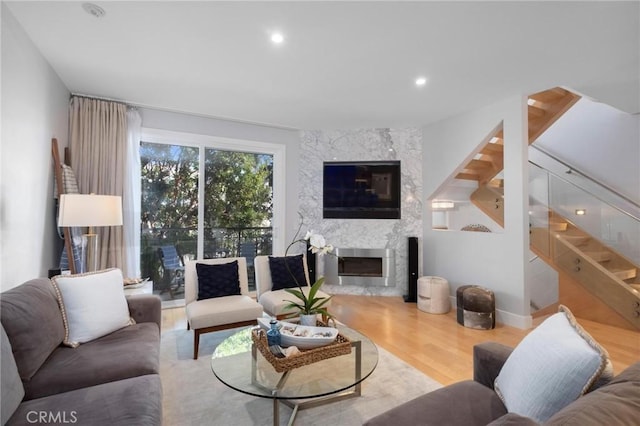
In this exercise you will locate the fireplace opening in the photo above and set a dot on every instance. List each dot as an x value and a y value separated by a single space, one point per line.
360 266
365 267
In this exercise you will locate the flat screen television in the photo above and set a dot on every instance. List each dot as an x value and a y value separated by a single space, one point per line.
361 190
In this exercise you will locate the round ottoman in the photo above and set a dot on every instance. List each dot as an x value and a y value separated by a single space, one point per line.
476 307
433 295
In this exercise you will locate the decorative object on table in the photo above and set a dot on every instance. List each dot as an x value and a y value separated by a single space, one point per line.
273 334
89 210
476 307
341 346
301 336
308 319
308 304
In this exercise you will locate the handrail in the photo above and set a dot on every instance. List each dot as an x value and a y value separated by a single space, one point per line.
586 176
624 212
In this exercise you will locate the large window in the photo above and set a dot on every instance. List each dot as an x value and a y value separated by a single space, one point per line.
200 202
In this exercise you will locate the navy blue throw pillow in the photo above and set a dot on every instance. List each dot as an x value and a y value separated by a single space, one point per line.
218 280
281 277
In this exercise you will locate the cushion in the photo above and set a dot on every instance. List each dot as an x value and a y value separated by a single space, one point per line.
218 280
92 305
465 403
219 311
551 367
287 275
617 403
12 389
33 332
129 352
135 401
275 302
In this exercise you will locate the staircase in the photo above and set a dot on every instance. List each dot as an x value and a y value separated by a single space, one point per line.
582 260
612 281
544 109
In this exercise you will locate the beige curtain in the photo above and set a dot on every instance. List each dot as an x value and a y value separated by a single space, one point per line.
97 141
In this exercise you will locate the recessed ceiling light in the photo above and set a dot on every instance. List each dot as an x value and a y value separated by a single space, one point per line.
93 10
277 38
421 81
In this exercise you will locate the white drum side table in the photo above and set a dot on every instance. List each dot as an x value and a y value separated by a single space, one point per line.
433 295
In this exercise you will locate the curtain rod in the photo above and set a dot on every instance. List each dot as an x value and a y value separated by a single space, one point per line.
101 98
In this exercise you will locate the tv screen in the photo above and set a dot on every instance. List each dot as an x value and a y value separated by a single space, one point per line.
361 190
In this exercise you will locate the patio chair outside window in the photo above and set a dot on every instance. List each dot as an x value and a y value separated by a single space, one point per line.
172 269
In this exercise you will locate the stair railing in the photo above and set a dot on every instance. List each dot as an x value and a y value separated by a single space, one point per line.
575 171
610 224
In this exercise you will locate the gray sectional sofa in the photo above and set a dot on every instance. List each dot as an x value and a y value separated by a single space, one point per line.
112 380
474 402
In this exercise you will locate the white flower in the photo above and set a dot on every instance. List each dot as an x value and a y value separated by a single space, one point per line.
318 243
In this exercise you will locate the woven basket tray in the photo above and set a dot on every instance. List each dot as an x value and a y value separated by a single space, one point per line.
340 346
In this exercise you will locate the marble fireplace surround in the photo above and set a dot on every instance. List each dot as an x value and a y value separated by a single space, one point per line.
382 144
364 267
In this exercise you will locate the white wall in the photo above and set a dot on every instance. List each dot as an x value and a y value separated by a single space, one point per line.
495 261
600 140
178 122
34 110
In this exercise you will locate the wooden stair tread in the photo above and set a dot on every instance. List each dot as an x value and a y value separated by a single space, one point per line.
599 256
466 175
576 240
558 226
479 164
624 274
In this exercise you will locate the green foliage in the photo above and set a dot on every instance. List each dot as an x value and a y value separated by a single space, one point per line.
309 304
237 194
169 186
237 189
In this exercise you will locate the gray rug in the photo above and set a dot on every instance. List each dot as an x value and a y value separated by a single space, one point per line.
194 396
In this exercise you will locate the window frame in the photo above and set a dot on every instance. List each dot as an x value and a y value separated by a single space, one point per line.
202 142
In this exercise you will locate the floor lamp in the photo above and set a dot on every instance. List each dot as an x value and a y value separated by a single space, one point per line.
90 211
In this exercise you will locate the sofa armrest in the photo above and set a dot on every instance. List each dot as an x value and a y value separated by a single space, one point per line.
145 308
488 359
513 419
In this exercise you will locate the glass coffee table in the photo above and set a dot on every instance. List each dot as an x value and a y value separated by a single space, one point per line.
238 364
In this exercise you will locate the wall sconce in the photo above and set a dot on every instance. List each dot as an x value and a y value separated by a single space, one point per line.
91 210
581 212
442 205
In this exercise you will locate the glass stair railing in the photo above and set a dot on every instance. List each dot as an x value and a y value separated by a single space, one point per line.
595 243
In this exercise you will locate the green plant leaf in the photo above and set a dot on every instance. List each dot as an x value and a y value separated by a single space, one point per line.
315 287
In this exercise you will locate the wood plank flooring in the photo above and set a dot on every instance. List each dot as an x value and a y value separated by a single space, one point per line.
436 344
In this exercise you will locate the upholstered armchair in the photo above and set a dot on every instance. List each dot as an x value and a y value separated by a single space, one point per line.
217 296
271 293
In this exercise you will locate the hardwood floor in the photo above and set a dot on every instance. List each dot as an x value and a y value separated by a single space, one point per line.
436 344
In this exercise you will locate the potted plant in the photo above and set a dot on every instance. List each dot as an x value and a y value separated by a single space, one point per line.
309 305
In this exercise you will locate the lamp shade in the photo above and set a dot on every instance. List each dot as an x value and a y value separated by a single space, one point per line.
90 210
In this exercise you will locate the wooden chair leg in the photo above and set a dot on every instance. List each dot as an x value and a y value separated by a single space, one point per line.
196 342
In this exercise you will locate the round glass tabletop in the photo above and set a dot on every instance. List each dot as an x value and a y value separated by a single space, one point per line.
237 366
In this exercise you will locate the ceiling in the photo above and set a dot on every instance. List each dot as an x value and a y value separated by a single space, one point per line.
342 64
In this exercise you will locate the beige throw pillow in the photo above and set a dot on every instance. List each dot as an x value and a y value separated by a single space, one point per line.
93 305
551 367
